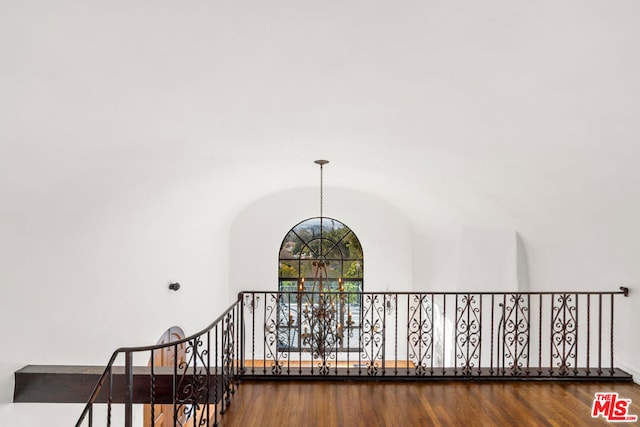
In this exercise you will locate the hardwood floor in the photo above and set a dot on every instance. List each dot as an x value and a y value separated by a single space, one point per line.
437 403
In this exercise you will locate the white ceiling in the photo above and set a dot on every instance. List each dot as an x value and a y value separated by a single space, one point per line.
501 110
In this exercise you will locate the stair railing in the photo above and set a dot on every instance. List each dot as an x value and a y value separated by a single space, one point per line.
195 390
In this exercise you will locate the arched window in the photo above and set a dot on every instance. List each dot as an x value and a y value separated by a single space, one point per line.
320 274
324 239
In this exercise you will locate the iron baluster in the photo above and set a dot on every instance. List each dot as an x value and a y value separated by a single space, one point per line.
420 332
479 347
384 332
347 330
253 336
153 389
430 317
219 373
241 337
553 298
408 332
455 342
577 335
611 337
588 334
504 331
492 336
174 385
110 399
128 407
444 329
540 311
264 346
395 335
600 334
528 341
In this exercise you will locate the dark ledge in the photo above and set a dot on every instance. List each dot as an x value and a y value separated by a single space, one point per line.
74 384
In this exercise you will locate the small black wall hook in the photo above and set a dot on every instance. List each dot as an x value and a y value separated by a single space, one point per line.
174 286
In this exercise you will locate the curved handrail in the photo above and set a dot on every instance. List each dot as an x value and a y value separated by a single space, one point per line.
126 350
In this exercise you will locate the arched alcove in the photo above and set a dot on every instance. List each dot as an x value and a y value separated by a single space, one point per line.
257 232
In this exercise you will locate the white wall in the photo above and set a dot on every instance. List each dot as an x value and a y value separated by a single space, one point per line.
74 288
492 259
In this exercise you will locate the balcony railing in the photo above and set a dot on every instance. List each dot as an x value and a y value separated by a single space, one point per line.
430 335
364 335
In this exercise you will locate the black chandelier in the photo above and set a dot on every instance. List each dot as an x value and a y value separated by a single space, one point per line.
323 311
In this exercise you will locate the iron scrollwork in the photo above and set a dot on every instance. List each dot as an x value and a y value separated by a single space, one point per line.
516 334
372 332
274 328
468 308
564 327
420 333
192 390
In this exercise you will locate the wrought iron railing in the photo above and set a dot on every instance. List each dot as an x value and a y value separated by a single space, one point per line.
368 335
193 386
430 334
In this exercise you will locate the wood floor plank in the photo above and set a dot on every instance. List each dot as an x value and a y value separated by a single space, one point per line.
406 404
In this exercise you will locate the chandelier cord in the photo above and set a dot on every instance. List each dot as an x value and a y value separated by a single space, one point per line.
321 190
321 203
321 163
